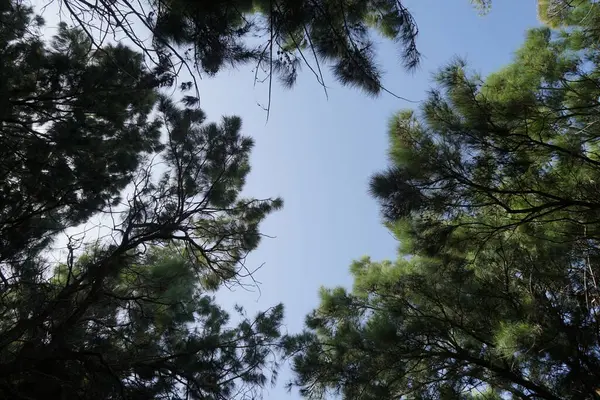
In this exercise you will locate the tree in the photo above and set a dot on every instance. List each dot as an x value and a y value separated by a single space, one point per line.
519 147
510 320
553 13
492 193
563 13
278 36
131 315
152 333
58 103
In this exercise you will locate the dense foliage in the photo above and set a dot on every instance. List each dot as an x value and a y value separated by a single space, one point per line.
58 102
278 36
493 193
128 314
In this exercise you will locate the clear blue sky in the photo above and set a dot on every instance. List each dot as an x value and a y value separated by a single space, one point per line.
318 154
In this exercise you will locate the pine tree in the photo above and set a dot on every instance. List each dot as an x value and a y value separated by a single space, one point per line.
85 132
492 193
553 13
206 36
510 319
519 147
72 129
560 13
153 332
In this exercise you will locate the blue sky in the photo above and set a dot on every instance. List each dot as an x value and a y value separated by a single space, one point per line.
319 153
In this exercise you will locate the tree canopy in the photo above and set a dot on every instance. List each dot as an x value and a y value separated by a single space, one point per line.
517 147
492 193
277 36
128 314
58 102
507 321
557 13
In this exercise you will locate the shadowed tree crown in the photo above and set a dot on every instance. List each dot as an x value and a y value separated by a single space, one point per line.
278 36
126 311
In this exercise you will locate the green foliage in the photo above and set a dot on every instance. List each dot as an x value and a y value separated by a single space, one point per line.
505 318
518 148
493 194
553 13
277 36
129 315
153 333
560 13
58 102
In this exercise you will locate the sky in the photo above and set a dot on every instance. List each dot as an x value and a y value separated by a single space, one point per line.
318 153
